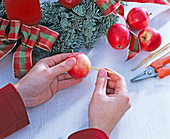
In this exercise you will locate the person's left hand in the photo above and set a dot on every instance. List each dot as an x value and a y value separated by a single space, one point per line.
109 102
45 78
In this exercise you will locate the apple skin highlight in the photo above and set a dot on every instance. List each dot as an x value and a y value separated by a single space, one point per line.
81 69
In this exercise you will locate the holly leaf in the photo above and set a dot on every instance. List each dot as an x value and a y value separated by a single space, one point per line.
134 47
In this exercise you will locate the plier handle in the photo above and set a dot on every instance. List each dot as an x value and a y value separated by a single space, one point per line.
159 67
156 69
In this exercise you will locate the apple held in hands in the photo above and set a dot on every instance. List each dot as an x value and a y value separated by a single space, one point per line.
81 69
149 39
69 4
118 36
138 18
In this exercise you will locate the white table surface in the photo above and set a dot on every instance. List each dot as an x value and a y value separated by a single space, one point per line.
67 111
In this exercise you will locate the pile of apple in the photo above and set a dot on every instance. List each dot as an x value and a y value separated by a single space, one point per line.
119 38
138 18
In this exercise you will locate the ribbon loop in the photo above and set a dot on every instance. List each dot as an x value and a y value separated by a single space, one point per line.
134 48
26 32
107 6
8 42
119 11
14 30
31 36
22 62
47 38
4 24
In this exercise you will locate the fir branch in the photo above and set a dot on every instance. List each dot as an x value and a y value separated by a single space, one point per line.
78 27
3 10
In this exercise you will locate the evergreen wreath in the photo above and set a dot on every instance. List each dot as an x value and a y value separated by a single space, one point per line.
77 27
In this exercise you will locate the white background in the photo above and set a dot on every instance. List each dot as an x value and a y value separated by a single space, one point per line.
67 111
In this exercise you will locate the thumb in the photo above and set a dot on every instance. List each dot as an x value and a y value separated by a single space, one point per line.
101 81
62 67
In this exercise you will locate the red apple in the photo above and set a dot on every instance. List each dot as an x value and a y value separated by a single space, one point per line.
81 69
149 39
118 36
69 4
138 18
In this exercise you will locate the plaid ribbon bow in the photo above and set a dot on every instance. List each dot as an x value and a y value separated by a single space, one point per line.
30 36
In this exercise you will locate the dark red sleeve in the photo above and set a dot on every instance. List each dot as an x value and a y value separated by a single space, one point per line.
90 133
13 115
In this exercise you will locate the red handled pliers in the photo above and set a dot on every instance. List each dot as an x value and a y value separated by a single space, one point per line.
156 69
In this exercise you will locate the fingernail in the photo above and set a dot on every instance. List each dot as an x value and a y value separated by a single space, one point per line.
101 72
71 61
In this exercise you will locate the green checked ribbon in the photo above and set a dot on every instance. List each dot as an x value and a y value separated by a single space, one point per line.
167 1
22 59
107 6
40 36
24 38
8 41
134 48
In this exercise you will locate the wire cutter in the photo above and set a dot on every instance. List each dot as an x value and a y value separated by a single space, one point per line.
156 69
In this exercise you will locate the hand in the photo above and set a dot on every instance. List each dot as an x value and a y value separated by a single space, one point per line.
45 78
109 102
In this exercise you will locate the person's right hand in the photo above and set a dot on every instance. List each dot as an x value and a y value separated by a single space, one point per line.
45 79
109 102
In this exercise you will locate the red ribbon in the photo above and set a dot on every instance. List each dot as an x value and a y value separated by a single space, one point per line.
30 36
8 41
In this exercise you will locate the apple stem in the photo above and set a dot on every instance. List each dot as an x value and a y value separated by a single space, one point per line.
99 69
143 37
72 52
149 14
